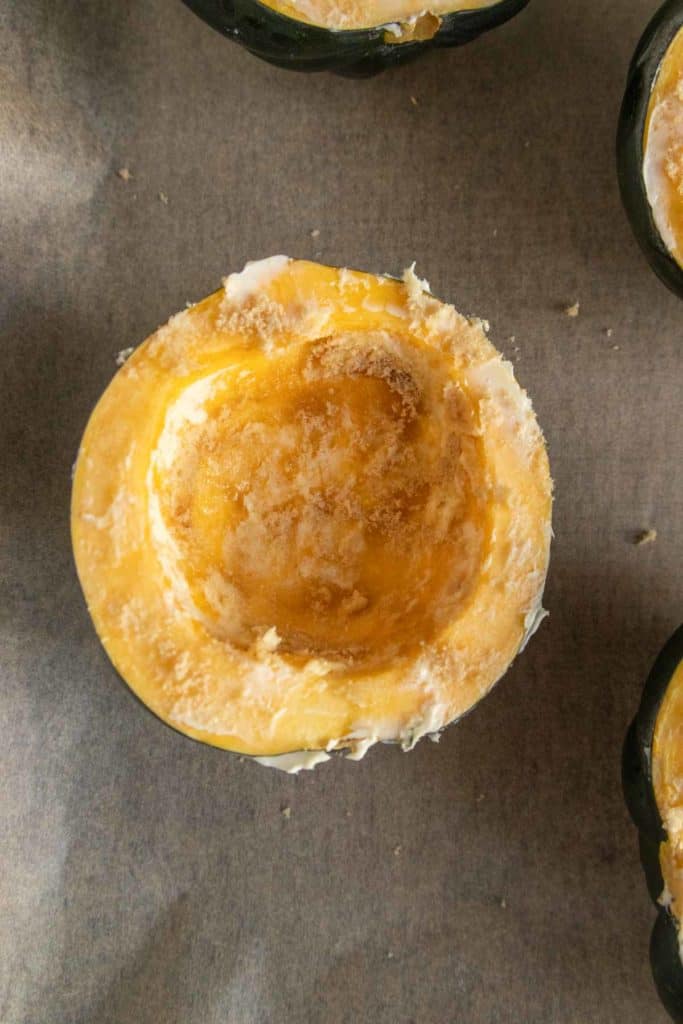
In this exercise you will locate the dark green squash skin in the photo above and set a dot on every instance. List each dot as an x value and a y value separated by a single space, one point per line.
293 44
665 960
641 77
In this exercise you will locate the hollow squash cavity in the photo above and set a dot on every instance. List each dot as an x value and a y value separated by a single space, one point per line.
312 512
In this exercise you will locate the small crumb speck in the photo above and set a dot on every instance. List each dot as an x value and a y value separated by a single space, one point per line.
414 101
163 198
645 537
609 332
286 812
512 339
527 143
348 814
124 174
241 759
123 355
503 903
390 955
315 233
397 850
615 348
573 310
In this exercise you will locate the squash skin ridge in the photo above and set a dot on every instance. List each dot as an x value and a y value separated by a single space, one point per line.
641 76
665 959
358 53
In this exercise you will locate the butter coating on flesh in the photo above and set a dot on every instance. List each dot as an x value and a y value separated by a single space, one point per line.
312 512
663 150
667 779
406 19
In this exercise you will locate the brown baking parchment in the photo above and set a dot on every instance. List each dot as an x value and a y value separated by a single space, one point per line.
494 877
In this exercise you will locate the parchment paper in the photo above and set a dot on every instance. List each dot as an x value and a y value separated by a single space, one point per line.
494 877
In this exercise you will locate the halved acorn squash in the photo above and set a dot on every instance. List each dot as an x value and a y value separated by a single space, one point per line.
313 512
650 144
653 787
310 35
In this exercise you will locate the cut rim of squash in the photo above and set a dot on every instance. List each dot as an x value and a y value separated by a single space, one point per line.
410 20
667 781
663 149
313 512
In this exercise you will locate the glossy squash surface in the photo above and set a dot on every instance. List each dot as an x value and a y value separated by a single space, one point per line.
653 786
313 512
650 144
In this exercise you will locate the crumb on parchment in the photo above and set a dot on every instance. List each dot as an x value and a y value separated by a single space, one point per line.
573 310
124 174
286 812
645 537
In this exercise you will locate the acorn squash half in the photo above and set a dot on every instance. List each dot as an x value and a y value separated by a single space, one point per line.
653 787
301 34
650 144
313 512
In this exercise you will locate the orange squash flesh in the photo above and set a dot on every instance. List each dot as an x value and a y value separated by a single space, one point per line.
355 14
312 512
667 779
663 149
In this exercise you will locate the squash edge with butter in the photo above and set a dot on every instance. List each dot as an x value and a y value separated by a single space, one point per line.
642 784
316 608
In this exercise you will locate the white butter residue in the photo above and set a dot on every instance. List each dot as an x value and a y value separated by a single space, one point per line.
271 640
533 619
358 748
433 718
255 276
673 819
189 408
415 286
665 899
124 355
300 760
